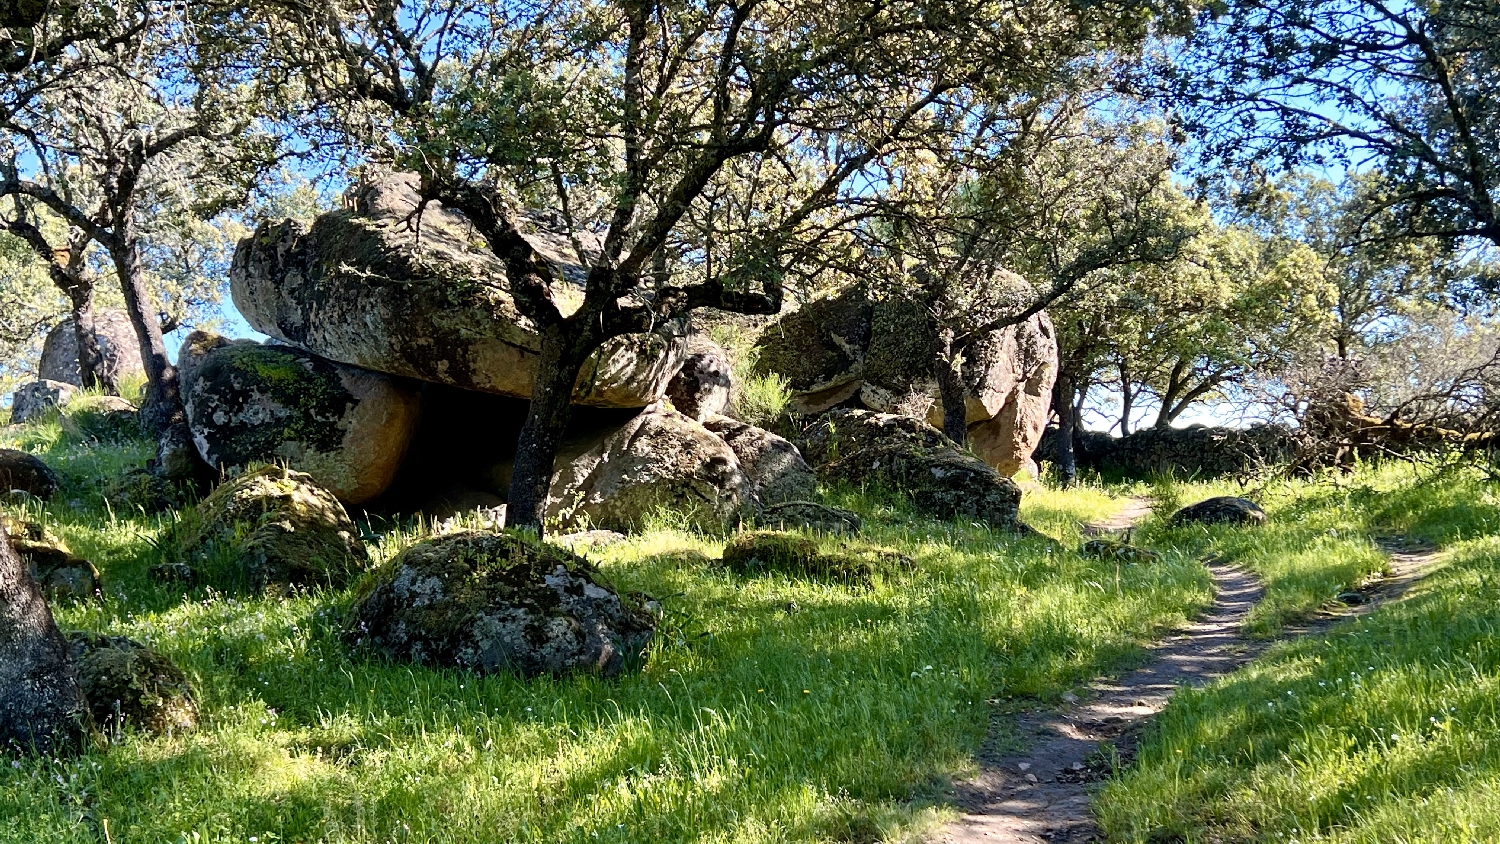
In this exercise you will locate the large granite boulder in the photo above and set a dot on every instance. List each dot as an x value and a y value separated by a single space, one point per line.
701 388
659 460
775 467
850 350
27 473
384 289
59 572
32 400
127 683
42 708
493 602
347 428
912 457
119 349
269 526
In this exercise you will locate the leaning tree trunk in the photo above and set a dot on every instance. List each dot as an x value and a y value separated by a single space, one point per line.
559 361
91 371
163 415
41 706
1067 425
948 370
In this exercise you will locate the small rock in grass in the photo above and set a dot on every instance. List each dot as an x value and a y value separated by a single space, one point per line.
58 571
808 515
27 473
124 680
32 401
763 551
492 602
1225 509
1117 550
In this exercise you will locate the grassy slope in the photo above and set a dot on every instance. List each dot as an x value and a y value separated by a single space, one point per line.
768 710
1382 730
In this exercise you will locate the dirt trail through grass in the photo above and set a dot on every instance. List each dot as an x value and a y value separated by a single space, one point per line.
1043 793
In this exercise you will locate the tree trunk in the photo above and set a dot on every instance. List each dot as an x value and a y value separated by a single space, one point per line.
949 374
1067 424
163 415
560 359
90 358
1127 404
41 706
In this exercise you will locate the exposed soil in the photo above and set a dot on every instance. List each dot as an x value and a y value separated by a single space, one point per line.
1043 793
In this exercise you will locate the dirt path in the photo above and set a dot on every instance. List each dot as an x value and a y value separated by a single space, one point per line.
1043 793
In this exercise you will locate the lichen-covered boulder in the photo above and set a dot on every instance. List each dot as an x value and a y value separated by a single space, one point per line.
382 289
819 348
119 349
104 419
810 516
27 473
915 458
770 551
659 460
347 428
127 683
492 602
270 526
41 706
1222 510
775 466
701 388
31 401
59 572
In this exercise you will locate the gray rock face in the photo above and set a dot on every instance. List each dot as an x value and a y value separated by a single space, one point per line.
41 705
915 458
119 349
849 349
702 387
345 427
775 467
660 459
127 683
811 516
362 288
270 526
19 470
1222 510
34 399
493 602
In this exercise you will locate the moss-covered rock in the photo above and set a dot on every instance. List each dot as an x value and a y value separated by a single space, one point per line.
103 419
914 458
146 491
782 552
810 516
1117 550
1222 510
346 427
270 526
490 602
129 684
59 572
27 473
819 348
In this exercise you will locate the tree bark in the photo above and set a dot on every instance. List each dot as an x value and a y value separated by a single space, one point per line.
1127 403
163 415
90 358
559 361
1067 425
948 371
41 705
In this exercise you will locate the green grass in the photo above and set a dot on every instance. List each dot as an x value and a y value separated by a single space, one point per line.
769 709
1381 730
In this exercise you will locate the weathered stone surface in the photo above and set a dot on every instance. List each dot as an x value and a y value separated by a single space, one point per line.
492 602
361 287
660 459
119 349
26 472
105 419
911 457
41 705
270 526
1224 509
346 427
876 354
127 683
33 400
701 388
775 467
811 516
59 572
